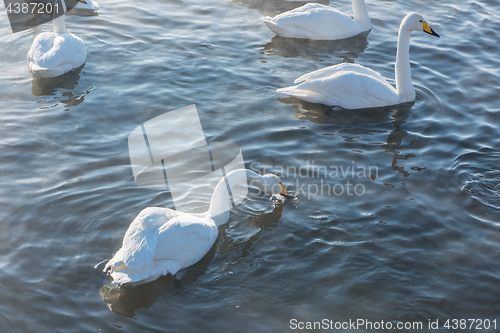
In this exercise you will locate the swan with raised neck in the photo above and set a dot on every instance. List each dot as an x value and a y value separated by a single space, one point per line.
404 85
352 86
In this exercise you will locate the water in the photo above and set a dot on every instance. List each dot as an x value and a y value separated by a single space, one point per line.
419 242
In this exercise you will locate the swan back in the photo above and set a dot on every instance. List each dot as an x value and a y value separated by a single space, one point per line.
319 22
90 5
56 53
349 86
336 69
349 90
53 54
161 241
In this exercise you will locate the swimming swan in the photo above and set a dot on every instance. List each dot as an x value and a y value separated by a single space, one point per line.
90 5
353 86
161 240
319 22
56 53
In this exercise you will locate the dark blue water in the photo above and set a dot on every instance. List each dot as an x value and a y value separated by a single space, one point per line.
411 236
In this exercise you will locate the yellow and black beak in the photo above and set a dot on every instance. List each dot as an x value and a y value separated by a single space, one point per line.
82 1
283 190
429 29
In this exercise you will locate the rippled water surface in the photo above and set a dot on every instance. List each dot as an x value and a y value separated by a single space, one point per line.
411 236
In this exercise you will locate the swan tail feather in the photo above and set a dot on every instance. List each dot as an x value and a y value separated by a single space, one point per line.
305 95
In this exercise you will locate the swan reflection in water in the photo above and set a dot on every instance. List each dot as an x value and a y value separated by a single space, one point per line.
69 81
348 49
124 300
397 115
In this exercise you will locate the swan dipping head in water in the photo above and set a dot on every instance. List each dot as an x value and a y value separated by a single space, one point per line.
352 86
319 22
162 241
55 53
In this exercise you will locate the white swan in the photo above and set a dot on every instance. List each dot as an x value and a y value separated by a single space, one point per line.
319 22
90 5
353 86
161 240
56 53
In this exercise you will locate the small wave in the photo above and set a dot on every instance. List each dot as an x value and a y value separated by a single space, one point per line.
479 174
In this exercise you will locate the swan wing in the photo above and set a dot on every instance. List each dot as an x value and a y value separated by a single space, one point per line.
313 21
139 246
141 238
90 5
145 273
350 90
186 240
55 54
161 241
336 69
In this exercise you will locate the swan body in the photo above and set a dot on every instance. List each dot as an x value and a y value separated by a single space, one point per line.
90 5
353 86
162 241
55 53
319 22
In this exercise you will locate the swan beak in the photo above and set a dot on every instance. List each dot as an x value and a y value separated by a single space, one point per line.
82 1
429 29
283 191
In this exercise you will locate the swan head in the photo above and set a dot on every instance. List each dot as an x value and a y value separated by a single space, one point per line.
270 184
414 21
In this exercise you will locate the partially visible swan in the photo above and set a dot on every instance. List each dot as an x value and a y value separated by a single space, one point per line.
56 53
353 86
90 5
160 240
319 22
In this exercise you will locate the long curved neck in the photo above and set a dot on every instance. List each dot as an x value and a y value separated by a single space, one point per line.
360 14
221 200
404 86
60 22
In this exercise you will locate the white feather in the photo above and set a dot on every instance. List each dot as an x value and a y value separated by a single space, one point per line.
319 22
162 241
353 86
90 5
55 53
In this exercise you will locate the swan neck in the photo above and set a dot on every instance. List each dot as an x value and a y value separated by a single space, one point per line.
60 22
360 13
404 86
221 202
